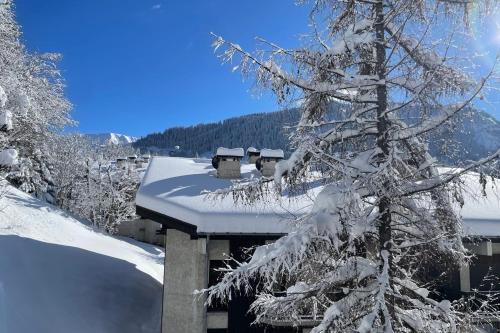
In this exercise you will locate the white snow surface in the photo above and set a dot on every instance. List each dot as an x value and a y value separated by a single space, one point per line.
238 152
6 119
3 97
24 103
481 213
273 153
252 150
177 187
58 275
8 157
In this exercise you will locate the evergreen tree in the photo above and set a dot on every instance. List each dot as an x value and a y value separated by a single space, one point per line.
385 212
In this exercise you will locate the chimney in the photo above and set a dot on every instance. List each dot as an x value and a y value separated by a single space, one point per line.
267 161
252 154
121 162
139 163
228 162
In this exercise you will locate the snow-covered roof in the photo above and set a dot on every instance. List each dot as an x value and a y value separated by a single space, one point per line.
176 187
173 186
252 150
237 152
481 213
273 153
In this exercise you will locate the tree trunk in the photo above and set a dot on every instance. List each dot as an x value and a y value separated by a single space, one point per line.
384 206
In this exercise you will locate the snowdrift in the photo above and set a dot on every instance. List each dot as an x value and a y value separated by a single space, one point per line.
58 275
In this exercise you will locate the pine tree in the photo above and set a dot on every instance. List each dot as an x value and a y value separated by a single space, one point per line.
360 256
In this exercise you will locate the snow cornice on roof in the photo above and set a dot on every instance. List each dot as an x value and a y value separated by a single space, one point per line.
230 152
174 190
272 153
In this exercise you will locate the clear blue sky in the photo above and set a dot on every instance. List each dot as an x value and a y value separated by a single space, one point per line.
138 66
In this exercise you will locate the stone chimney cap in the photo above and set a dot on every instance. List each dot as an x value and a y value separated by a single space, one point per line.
272 153
252 150
233 152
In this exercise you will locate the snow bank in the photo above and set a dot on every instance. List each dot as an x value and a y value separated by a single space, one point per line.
58 275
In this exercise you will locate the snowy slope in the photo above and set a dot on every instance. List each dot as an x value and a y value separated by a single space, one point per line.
58 275
111 139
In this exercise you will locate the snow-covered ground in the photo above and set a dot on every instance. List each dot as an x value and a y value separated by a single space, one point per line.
58 275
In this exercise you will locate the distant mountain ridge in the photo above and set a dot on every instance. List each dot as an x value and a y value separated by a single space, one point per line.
111 139
473 136
258 130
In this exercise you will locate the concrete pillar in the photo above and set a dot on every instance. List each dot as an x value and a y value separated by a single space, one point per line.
464 278
185 271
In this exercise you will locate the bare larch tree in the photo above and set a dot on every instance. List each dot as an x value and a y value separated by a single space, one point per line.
385 211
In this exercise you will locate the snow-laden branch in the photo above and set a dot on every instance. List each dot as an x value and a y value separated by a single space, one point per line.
445 113
445 178
429 60
338 91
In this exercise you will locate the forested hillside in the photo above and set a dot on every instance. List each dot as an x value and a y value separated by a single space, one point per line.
472 136
258 130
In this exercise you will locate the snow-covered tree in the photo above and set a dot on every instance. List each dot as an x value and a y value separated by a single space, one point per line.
385 212
11 63
89 185
106 197
32 109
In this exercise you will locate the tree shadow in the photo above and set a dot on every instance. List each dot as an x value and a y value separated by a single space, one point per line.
152 249
51 288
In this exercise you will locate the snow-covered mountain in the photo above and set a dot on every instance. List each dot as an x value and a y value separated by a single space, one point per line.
111 139
58 275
